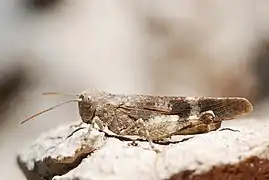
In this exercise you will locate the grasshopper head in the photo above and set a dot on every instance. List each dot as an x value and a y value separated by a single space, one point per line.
87 107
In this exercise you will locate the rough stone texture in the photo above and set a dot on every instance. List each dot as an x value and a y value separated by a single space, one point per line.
215 155
55 153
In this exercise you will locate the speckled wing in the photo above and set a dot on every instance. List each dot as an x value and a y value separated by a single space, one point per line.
147 107
224 108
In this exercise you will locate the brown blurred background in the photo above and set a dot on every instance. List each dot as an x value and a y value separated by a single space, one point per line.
186 47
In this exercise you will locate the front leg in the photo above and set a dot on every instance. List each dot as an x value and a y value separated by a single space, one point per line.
97 123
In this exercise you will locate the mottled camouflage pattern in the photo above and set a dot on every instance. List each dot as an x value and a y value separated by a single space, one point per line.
119 112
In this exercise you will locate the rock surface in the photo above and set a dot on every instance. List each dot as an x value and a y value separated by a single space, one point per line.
220 154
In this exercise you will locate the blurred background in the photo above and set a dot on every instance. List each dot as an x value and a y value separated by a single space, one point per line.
176 47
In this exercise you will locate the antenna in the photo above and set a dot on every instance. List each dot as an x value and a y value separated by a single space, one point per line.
59 93
46 110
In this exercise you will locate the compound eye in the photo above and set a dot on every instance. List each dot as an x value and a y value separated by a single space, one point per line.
88 98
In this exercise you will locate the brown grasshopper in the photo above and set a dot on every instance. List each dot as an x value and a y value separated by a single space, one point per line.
156 117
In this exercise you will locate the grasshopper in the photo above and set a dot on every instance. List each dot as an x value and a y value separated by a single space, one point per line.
156 117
